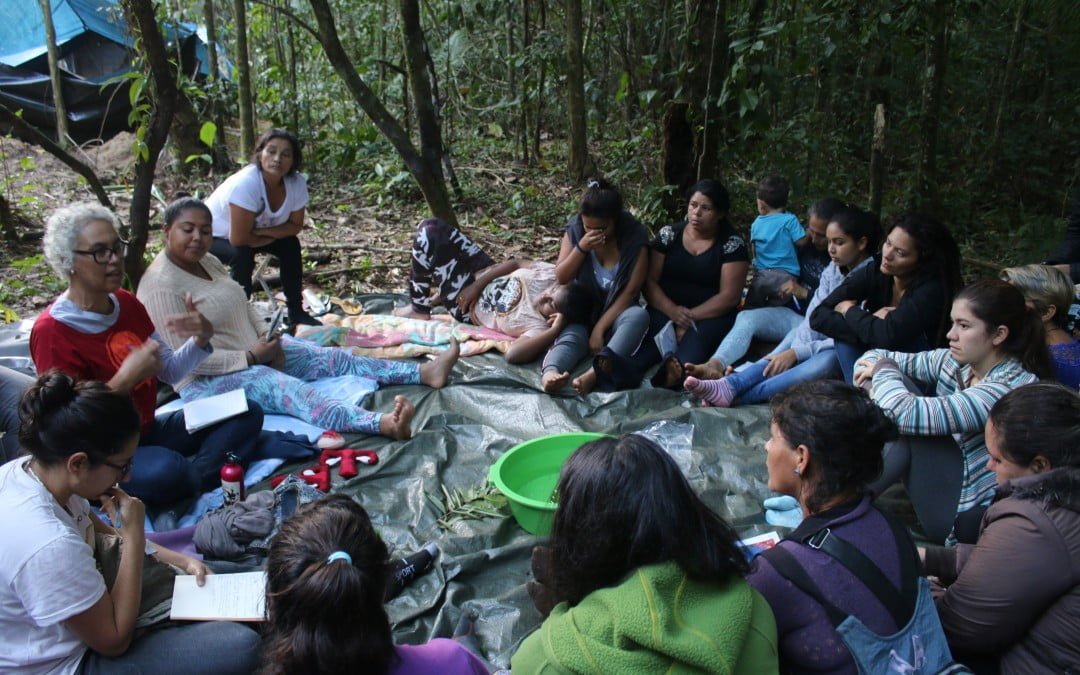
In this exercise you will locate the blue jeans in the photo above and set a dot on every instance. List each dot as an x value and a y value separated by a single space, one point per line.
211 647
751 386
171 464
765 323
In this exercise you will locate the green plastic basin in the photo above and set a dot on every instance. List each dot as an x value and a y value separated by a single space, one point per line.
528 473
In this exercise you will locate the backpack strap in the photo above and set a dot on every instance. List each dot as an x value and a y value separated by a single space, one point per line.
788 567
899 607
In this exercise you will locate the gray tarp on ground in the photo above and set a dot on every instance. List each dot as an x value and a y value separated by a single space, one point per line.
462 429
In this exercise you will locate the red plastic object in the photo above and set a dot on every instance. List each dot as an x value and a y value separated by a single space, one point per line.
318 475
349 458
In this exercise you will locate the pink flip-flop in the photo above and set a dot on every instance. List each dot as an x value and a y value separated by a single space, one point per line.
330 440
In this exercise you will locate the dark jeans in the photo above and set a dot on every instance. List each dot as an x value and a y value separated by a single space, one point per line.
12 385
696 346
241 262
171 464
211 647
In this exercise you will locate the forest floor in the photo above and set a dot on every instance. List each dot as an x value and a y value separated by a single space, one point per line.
358 237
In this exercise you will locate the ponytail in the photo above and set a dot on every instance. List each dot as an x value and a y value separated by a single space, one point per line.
999 303
326 574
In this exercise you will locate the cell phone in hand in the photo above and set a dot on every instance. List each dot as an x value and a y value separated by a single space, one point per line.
275 324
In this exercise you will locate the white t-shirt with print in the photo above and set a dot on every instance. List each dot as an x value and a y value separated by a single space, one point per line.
246 189
47 574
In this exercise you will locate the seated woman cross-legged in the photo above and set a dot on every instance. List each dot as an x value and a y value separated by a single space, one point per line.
57 613
824 449
96 330
274 371
697 270
940 400
325 578
902 301
640 576
803 354
1011 601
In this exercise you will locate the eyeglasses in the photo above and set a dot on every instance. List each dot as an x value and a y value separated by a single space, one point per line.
102 254
124 468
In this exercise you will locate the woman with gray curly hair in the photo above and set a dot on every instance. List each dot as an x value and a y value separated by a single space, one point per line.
95 330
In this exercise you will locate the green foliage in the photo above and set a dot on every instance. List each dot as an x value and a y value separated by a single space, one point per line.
461 504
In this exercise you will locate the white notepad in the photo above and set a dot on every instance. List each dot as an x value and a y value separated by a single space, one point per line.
225 597
206 411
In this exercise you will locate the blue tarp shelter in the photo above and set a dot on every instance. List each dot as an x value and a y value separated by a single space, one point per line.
94 49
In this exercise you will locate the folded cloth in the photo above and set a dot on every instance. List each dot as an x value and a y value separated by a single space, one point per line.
226 532
783 511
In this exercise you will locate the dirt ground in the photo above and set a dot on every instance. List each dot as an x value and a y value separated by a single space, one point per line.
352 244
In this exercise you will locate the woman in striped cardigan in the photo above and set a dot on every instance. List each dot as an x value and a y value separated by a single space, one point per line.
940 400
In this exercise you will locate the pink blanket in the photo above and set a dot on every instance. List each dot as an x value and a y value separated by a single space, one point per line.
394 337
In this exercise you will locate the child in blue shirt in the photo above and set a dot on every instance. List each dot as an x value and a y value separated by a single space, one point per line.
775 233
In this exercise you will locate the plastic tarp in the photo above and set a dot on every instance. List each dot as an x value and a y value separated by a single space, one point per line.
22 32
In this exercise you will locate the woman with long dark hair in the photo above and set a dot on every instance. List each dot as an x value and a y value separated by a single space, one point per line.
899 303
642 570
325 579
995 344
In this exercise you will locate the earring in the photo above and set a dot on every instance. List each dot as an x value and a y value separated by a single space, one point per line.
798 471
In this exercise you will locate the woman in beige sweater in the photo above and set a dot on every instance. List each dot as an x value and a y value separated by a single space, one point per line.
274 371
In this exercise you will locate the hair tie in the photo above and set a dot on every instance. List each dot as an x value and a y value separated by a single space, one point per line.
593 184
339 555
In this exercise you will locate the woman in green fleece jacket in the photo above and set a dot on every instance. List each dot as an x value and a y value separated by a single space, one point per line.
640 576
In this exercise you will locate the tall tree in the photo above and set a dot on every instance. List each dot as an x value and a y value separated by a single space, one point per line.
54 74
708 66
425 166
926 193
243 80
210 20
578 161
161 89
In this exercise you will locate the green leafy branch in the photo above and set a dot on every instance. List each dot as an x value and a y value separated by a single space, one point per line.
475 503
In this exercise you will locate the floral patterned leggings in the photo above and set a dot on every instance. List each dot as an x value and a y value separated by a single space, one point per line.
287 392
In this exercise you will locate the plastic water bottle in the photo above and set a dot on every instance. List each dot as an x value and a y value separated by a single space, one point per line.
232 479
404 571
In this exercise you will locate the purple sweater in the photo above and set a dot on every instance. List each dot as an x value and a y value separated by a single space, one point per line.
808 641
442 656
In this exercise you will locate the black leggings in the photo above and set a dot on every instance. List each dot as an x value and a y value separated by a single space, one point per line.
241 262
696 346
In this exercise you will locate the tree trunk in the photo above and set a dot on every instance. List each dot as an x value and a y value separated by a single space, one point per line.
707 54
575 92
54 74
428 174
541 83
211 38
877 160
243 80
29 133
994 146
7 221
926 196
163 92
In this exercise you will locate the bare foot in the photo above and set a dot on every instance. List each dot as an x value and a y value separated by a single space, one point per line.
436 373
586 382
409 313
711 370
397 424
553 380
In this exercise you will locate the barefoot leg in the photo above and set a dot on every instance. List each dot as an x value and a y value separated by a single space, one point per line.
553 380
711 370
586 382
397 424
436 373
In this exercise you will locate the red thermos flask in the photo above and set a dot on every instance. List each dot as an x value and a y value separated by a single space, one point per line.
232 479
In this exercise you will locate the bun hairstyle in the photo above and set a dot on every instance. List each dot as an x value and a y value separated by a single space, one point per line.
60 417
1042 418
182 202
999 303
623 504
844 430
601 200
326 615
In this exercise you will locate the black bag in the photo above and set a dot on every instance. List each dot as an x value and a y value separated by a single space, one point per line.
919 646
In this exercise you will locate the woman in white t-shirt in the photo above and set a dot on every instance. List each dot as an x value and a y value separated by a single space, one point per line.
57 613
260 209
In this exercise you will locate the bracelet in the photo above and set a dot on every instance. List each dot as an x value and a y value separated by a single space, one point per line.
254 361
